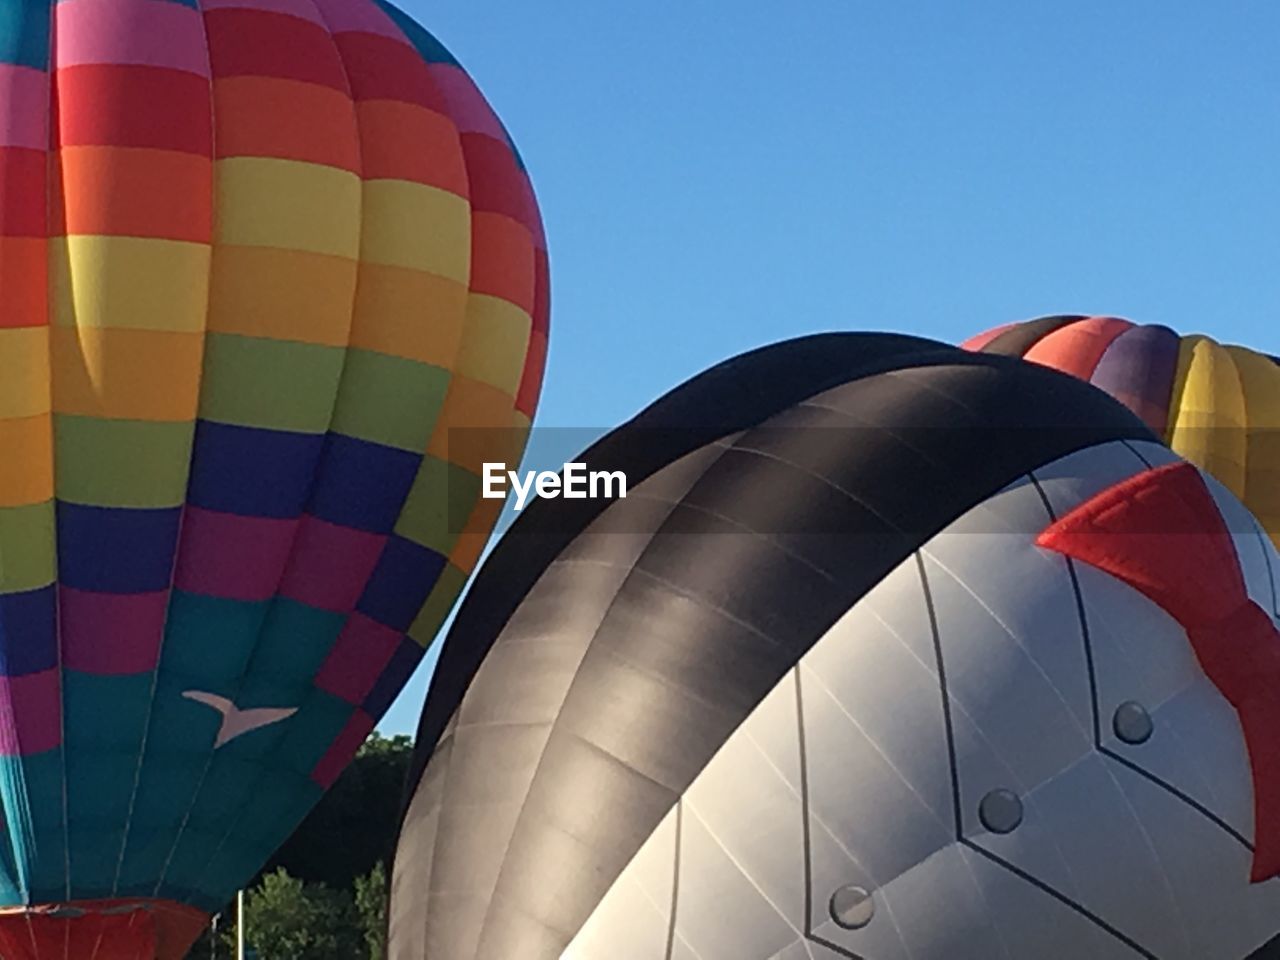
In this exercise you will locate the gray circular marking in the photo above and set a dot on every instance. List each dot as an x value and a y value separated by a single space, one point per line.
1132 723
852 907
1000 811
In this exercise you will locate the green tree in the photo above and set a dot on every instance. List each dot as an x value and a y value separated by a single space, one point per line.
343 844
355 824
286 919
371 905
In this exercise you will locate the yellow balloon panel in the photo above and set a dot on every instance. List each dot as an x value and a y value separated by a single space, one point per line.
1260 380
1207 415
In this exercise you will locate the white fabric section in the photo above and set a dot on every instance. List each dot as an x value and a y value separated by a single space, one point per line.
1017 603
1256 551
722 913
745 807
1013 695
889 737
939 910
1224 915
802 950
1141 654
1153 454
408 926
633 919
1102 844
1033 926
1069 482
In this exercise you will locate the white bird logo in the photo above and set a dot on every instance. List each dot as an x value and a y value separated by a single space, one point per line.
236 721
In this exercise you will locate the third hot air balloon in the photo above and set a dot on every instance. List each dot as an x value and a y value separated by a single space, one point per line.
1217 405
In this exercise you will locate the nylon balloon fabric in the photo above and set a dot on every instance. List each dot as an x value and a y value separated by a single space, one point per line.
887 653
260 261
814 690
1218 406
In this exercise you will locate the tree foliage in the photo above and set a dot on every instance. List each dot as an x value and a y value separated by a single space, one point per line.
286 919
355 824
326 889
371 905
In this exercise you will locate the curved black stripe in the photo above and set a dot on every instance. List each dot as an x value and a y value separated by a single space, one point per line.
736 394
1016 341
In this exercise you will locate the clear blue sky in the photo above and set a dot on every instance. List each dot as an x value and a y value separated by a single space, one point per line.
717 175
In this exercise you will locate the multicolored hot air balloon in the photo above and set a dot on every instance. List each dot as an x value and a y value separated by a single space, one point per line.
259 260
1218 406
893 651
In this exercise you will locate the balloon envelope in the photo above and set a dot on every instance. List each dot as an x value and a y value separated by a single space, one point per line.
814 691
260 260
1218 406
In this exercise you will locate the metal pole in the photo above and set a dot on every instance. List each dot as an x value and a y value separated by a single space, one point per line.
240 925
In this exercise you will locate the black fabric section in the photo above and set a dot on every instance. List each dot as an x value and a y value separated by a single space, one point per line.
1268 951
738 393
1017 341
836 457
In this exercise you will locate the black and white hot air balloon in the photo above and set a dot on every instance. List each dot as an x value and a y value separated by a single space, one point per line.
892 651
